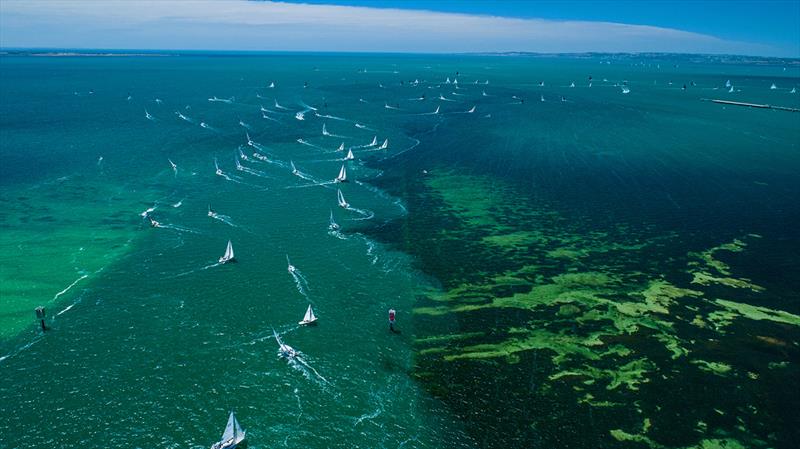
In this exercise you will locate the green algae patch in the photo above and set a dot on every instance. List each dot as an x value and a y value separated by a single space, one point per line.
717 368
514 240
755 313
630 374
706 261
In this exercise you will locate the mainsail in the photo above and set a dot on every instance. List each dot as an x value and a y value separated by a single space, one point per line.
233 431
341 200
342 174
349 156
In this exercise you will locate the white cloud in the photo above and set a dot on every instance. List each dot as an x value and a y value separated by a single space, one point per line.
247 25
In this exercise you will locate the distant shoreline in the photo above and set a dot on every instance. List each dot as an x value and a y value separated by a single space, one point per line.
688 57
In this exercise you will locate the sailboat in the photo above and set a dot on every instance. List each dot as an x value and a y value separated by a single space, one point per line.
384 145
730 91
340 199
773 86
541 98
249 140
174 167
211 212
325 130
271 85
285 350
793 91
228 256
374 141
233 435
572 84
309 318
333 226
349 156
341 147
728 83
294 169
342 175
436 111
471 110
218 170
626 90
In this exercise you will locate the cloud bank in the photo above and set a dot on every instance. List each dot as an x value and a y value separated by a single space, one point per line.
277 26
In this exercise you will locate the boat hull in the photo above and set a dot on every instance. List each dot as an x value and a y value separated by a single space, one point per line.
307 323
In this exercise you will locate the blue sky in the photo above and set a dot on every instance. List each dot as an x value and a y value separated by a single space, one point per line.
742 27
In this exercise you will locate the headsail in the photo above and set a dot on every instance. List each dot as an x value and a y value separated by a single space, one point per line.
349 156
342 175
233 431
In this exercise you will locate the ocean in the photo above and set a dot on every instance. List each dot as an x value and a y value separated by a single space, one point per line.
583 252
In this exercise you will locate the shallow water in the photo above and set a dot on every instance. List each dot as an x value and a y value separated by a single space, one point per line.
567 273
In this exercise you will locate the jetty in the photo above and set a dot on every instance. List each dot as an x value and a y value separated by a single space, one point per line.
751 105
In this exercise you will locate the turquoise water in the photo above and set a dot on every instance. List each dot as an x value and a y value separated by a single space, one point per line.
557 266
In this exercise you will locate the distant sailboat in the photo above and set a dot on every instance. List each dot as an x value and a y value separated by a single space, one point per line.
340 198
434 112
218 170
342 177
374 141
147 115
730 91
447 81
325 130
625 89
289 267
541 98
349 156
793 91
233 435
471 110
309 317
773 86
295 171
728 83
271 85
211 212
228 256
300 115
249 140
332 225
285 350
172 164
572 84
384 145
341 147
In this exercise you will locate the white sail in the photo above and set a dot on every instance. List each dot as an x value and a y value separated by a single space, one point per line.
333 226
233 431
309 316
349 156
728 83
341 147
374 141
437 110
472 110
340 198
447 81
271 85
773 86
325 130
228 256
342 174
384 145
294 169
730 90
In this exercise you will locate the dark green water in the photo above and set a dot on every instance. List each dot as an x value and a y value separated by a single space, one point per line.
612 270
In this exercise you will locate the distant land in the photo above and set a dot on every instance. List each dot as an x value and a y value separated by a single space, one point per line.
687 57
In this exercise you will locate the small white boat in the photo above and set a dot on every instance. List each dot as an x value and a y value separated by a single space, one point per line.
325 130
625 90
342 177
374 141
260 157
228 256
773 86
211 212
271 85
341 147
471 110
793 91
728 83
340 198
153 223
172 164
300 115
572 84
541 98
309 318
332 225
349 156
233 436
295 171
284 349
447 81
159 101
730 91
218 171
239 166
147 115
249 140
384 145
437 110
